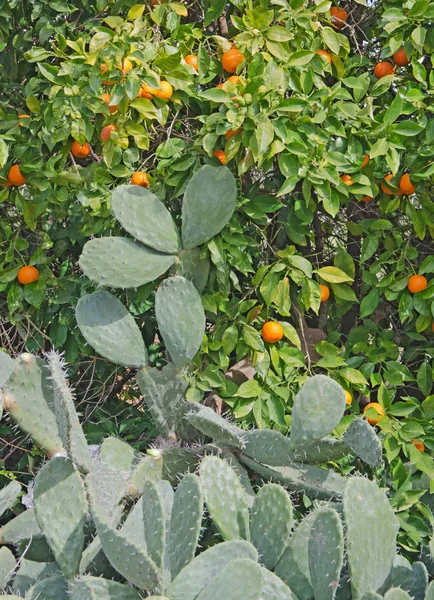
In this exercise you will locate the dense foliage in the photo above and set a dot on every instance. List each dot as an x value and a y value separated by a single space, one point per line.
304 127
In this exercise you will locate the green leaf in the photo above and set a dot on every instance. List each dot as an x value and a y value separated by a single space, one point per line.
253 338
380 148
4 153
214 12
408 128
344 292
264 134
230 339
249 389
136 12
300 58
331 39
369 247
278 34
424 378
369 303
33 104
333 275
353 376
215 95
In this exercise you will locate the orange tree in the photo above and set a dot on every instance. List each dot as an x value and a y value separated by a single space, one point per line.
324 115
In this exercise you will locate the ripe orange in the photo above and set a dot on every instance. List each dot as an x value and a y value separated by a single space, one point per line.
347 180
15 177
125 66
339 17
384 187
231 133
231 59
140 178
405 185
144 91
378 408
325 55
219 86
417 283
365 161
24 116
234 79
220 154
325 292
400 58
366 199
106 99
165 92
272 332
80 151
106 131
191 59
382 69
103 69
348 397
27 275
419 445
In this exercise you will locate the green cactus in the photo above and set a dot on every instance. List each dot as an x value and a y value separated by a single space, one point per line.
193 579
318 408
92 588
30 572
185 523
180 318
396 594
209 203
430 591
271 523
326 552
154 524
225 498
110 329
9 495
60 508
69 427
7 367
52 588
28 397
7 566
205 420
177 461
146 218
194 268
273 588
242 579
119 262
163 392
362 439
371 530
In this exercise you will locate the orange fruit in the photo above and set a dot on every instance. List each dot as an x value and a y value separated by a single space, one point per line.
231 59
125 66
27 275
106 99
325 55
191 59
384 187
346 179
365 161
272 332
220 154
382 69
231 133
366 199
15 177
145 91
405 185
155 2
24 116
348 397
378 408
234 79
80 151
325 292
417 283
106 131
432 327
140 178
339 17
419 445
165 92
103 69
400 58
219 86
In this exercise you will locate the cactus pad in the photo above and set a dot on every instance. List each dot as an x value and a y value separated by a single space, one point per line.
271 523
30 572
396 594
268 446
363 441
209 203
8 495
180 317
52 588
60 508
225 498
194 268
153 522
273 588
371 530
28 397
7 366
110 329
212 425
70 430
206 566
240 580
185 523
97 588
163 391
326 551
7 566
119 262
146 218
320 451
318 408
